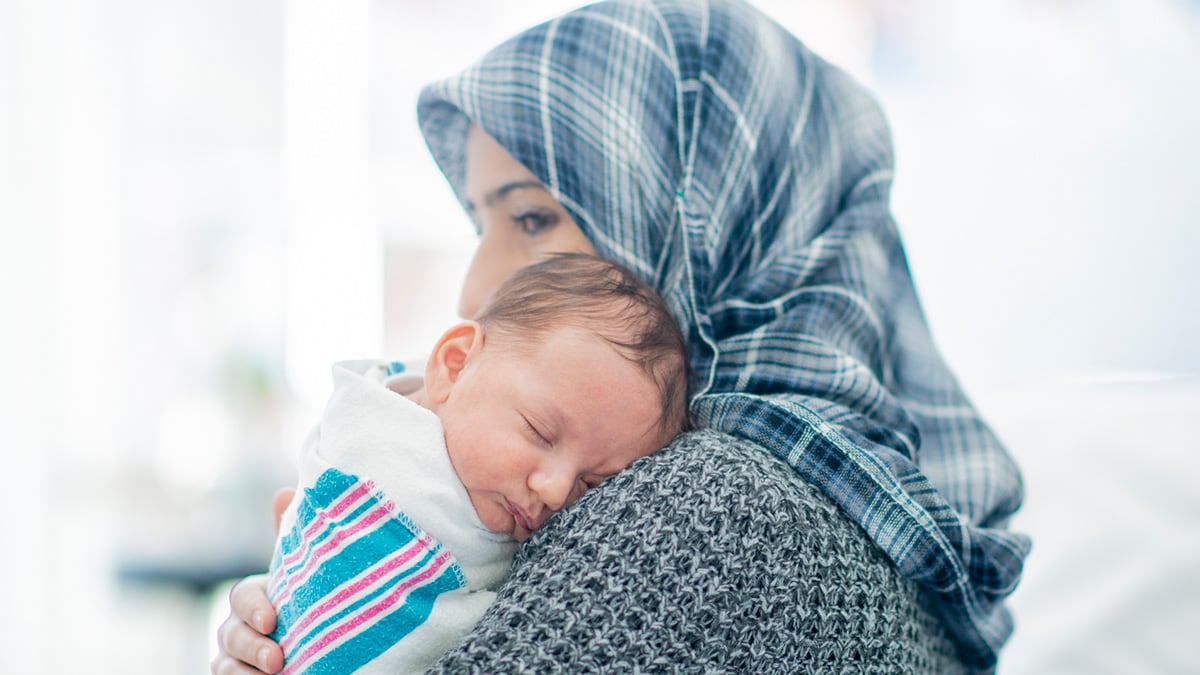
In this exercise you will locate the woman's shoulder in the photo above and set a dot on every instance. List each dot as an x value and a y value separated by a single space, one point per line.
722 473
714 497
709 555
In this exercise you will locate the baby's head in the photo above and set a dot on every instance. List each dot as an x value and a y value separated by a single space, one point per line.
570 372
601 298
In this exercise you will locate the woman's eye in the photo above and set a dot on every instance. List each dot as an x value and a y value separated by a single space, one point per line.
533 223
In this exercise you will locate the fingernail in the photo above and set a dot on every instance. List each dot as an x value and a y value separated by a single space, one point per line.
262 658
257 618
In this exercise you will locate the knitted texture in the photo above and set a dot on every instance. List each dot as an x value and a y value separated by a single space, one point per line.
710 556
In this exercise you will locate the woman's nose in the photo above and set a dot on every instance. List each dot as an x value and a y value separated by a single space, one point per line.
490 266
477 286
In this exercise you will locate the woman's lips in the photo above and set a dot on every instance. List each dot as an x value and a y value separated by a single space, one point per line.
519 516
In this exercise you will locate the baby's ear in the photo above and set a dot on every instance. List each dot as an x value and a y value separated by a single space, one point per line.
458 345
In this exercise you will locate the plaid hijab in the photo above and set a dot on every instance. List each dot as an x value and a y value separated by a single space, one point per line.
703 146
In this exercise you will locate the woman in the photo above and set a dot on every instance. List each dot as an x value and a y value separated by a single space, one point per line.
843 506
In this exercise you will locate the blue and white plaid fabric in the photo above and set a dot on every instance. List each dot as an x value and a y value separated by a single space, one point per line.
705 147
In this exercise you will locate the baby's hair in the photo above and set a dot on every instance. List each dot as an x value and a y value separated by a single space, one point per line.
606 299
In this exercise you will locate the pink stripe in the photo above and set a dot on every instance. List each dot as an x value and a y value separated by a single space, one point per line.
321 520
314 614
300 576
350 498
279 593
357 620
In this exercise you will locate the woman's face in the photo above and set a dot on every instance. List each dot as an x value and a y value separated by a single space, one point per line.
519 221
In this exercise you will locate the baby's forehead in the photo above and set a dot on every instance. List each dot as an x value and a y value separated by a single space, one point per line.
580 335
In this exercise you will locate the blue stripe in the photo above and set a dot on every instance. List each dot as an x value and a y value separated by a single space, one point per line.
356 652
351 563
323 494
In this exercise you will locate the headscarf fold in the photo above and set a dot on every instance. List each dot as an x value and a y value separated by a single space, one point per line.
706 148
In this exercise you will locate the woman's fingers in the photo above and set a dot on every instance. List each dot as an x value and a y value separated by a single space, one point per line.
243 647
249 602
242 638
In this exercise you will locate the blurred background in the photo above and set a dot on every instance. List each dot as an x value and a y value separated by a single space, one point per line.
205 204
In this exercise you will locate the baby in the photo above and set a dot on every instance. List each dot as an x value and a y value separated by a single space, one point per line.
413 493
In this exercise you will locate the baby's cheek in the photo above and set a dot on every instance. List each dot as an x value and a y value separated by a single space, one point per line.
493 517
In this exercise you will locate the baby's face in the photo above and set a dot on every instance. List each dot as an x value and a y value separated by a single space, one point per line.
528 433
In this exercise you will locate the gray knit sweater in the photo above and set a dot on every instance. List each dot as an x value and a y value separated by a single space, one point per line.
710 556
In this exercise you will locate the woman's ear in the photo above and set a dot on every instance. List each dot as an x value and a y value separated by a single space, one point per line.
457 346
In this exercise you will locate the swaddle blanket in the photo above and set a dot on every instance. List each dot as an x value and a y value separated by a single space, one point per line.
706 148
382 563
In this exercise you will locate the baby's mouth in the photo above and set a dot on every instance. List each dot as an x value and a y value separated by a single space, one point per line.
519 515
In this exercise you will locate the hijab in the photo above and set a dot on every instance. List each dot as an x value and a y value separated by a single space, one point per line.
706 148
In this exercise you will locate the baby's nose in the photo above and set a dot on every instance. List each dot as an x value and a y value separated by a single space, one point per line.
553 488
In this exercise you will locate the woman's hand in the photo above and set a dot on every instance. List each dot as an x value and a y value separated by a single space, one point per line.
244 647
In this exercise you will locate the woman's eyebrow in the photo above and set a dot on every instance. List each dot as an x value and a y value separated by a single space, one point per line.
501 192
